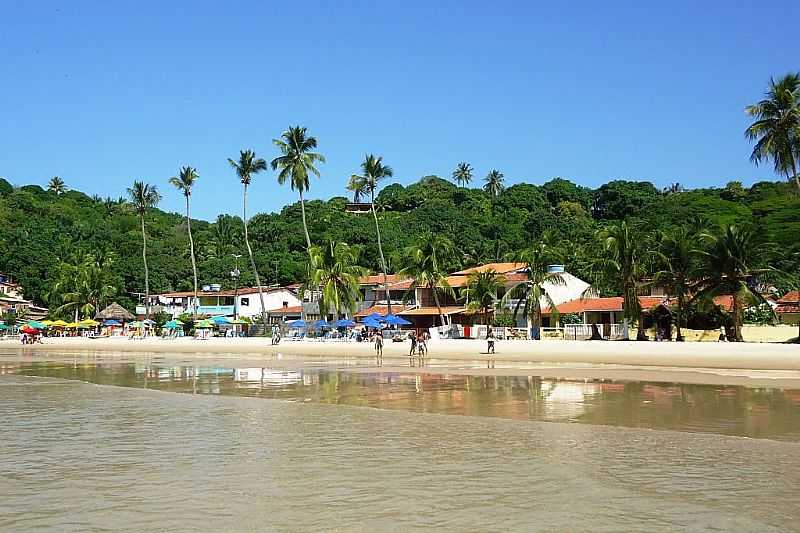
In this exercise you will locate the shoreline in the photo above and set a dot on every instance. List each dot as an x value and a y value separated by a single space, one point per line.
752 365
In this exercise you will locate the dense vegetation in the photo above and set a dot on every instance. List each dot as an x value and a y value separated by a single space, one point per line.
42 231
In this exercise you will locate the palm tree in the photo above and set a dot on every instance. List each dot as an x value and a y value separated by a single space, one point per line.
529 293
296 163
335 270
374 171
482 290
463 174
57 185
85 287
247 166
727 266
623 262
676 260
143 197
776 130
184 181
494 184
358 186
425 263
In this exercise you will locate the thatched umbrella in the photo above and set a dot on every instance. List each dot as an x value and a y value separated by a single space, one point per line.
115 312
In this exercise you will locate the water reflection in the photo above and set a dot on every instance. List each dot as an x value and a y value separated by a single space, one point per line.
729 410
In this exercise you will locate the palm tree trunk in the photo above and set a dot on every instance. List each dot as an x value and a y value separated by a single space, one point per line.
796 177
191 251
253 261
737 319
146 271
678 334
305 226
380 251
537 319
438 306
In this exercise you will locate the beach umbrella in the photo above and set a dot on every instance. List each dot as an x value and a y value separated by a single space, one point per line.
59 324
72 325
395 320
3 326
174 324
220 320
148 322
47 323
298 324
372 323
204 324
35 324
345 323
375 316
321 323
88 322
135 324
29 330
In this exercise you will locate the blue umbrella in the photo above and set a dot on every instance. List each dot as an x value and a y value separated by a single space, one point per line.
345 323
298 324
220 320
395 320
321 323
372 323
375 316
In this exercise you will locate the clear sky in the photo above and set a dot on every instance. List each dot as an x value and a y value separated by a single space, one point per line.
101 92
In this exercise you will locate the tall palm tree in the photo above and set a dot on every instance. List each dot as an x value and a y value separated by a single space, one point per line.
494 184
529 294
425 263
296 162
143 197
184 181
482 291
358 186
676 260
732 257
624 263
463 174
335 270
374 171
57 185
776 129
247 166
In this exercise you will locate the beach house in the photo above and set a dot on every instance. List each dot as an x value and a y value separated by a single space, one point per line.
212 300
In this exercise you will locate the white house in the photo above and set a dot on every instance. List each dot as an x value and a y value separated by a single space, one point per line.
242 302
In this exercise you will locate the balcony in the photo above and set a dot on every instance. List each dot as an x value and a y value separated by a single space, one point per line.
215 309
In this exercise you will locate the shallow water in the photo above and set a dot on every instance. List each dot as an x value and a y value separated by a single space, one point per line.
75 456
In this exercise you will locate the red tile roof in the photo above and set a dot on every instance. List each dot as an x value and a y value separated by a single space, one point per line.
292 310
791 297
377 279
500 268
381 310
614 303
433 311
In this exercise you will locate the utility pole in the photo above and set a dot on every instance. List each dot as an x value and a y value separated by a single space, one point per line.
235 273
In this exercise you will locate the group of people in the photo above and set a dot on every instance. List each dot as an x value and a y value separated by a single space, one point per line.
419 346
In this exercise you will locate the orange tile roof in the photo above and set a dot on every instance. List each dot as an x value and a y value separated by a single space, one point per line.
377 279
500 268
292 310
615 303
433 311
381 310
791 297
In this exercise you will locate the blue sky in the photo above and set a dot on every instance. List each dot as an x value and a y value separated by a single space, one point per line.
101 93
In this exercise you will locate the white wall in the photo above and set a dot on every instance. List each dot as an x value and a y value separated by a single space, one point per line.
273 299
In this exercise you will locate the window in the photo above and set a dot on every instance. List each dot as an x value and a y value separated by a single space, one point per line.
246 302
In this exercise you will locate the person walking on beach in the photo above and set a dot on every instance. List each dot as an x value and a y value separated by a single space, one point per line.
413 338
378 340
490 338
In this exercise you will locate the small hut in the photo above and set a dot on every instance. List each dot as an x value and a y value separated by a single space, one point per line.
115 312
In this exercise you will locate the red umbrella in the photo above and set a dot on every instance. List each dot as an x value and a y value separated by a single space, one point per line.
29 330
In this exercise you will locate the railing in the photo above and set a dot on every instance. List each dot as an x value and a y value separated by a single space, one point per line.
584 331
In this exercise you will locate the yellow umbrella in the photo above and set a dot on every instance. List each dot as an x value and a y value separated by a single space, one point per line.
59 324
47 322
72 325
88 322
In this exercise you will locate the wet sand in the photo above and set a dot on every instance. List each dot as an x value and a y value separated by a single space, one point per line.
753 365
